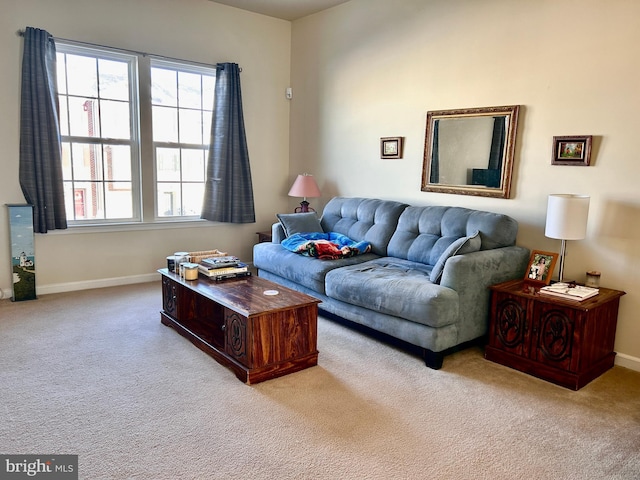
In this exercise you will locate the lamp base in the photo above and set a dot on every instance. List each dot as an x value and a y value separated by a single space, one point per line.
304 207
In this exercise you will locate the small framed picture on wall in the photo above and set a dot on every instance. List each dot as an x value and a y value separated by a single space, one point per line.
571 150
391 147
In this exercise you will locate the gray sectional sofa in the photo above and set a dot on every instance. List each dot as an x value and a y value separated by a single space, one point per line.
425 280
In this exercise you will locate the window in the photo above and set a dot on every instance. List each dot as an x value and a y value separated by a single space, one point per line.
98 123
182 102
105 143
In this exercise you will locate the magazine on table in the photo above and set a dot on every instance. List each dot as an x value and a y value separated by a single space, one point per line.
569 291
220 262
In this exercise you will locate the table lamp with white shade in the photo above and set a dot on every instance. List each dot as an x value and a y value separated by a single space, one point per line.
566 220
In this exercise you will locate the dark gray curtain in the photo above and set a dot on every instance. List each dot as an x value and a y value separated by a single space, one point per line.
40 152
228 194
434 175
497 143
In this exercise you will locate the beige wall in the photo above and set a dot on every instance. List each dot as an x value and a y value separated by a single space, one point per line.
373 68
196 30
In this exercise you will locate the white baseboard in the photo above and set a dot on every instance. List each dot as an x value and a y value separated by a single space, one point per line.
627 361
86 285
101 283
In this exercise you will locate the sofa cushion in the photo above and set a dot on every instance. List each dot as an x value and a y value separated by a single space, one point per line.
363 219
396 287
424 233
293 223
306 271
459 247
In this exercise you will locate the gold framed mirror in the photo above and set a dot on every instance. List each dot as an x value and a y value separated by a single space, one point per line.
470 151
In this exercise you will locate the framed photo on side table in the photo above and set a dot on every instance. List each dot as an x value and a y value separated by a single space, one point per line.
541 265
572 150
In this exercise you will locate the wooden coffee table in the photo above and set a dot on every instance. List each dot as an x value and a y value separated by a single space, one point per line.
241 323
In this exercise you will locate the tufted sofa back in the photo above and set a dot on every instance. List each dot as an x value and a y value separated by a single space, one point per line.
424 233
367 219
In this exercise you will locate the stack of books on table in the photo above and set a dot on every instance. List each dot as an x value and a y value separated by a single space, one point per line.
569 291
219 268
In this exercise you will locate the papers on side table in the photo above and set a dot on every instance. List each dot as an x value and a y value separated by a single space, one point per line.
569 291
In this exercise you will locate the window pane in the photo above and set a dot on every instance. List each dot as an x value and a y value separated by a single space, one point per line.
68 200
64 116
86 161
167 164
115 119
208 87
192 165
165 124
114 79
168 199
61 73
189 90
190 126
82 76
192 195
88 200
83 117
164 87
118 162
206 127
66 161
119 200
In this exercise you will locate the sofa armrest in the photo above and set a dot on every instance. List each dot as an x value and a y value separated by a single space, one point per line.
472 274
277 233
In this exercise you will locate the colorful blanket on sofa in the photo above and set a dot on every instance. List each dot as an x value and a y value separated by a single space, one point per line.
330 245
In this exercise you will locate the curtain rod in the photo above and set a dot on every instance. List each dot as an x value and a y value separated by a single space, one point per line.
20 33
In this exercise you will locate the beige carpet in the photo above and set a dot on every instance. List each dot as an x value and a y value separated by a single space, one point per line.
94 373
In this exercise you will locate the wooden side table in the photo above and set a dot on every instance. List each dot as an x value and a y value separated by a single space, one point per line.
565 342
264 236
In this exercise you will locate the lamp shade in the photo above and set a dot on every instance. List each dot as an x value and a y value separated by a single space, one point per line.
305 186
567 216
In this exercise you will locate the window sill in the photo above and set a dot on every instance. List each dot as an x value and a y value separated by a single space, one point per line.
133 227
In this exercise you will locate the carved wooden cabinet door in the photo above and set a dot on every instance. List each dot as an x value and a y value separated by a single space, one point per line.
510 324
236 336
169 297
553 332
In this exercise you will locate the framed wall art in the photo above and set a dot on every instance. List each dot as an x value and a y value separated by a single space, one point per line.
391 147
22 252
572 150
541 265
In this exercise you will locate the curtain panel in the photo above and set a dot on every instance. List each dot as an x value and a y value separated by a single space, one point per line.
228 195
40 145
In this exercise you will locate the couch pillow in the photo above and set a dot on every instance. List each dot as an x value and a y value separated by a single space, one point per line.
459 247
292 223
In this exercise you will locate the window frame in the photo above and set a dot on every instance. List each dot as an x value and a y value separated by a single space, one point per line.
144 183
132 60
180 66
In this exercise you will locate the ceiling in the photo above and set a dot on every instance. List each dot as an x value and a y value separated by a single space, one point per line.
284 9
